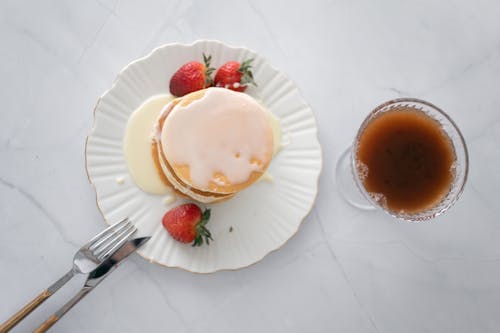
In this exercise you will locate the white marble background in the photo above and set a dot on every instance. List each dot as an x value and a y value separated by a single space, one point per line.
344 271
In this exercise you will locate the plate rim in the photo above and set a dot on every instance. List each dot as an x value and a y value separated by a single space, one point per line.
316 135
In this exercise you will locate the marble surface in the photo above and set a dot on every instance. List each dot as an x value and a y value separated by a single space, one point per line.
345 270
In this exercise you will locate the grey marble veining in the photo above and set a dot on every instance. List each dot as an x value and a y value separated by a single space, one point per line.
345 271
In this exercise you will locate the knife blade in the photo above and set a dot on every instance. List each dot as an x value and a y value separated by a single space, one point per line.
97 275
94 278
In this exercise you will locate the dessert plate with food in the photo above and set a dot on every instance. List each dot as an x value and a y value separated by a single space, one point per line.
208 149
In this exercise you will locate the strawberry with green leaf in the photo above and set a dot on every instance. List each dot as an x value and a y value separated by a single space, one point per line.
192 76
235 76
187 223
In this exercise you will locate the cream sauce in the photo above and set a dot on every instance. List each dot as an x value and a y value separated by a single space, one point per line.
266 177
276 127
170 199
137 145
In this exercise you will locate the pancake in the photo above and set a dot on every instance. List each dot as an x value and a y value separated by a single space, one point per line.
213 143
165 171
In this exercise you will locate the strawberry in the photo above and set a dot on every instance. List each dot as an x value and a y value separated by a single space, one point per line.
235 76
186 224
192 76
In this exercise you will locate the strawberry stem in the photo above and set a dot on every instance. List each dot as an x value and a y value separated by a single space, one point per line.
246 70
202 233
208 70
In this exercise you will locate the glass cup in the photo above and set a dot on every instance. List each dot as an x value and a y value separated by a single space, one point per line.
350 183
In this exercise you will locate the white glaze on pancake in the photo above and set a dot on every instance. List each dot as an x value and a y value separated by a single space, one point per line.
222 132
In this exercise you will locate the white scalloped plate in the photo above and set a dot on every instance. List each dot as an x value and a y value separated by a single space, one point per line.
262 217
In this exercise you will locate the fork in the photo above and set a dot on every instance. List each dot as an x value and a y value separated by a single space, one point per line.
86 259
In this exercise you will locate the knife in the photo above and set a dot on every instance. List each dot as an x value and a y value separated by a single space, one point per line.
94 278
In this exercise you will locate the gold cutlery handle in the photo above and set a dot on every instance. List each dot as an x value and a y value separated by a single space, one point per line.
47 324
26 310
65 308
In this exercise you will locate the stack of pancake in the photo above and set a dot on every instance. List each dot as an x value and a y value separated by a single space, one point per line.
213 143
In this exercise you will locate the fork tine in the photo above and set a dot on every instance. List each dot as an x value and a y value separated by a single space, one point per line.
99 235
121 237
112 233
117 245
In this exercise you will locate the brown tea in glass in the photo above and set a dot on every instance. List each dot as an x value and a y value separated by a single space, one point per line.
409 159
